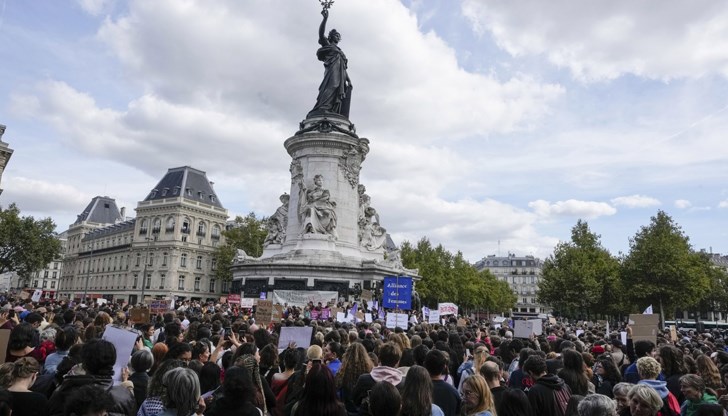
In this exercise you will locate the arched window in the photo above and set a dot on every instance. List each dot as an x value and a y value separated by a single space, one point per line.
157 226
183 260
169 227
201 229
143 227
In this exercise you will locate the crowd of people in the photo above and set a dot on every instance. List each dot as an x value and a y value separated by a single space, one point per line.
210 360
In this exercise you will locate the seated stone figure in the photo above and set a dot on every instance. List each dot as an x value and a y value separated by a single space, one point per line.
316 211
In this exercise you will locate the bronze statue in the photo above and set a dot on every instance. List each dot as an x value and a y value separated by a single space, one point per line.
334 96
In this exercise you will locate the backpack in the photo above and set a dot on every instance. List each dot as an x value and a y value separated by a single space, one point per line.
670 406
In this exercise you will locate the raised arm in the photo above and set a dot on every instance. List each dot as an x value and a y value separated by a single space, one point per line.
322 28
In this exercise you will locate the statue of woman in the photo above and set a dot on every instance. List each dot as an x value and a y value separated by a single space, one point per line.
335 90
315 210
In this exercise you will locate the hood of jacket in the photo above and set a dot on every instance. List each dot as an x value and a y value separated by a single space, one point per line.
551 381
658 385
388 374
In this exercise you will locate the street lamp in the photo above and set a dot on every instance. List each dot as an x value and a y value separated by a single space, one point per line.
88 272
146 263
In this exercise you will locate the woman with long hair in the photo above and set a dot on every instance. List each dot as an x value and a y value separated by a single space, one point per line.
319 394
17 377
573 373
354 363
417 394
477 400
514 403
606 376
709 372
264 397
153 404
673 367
238 393
480 355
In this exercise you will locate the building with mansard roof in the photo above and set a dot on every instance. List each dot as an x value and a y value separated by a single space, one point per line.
523 274
165 251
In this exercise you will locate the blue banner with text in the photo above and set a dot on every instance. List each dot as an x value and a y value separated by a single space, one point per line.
397 292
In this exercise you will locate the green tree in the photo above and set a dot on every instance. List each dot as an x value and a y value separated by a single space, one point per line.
580 276
26 244
662 269
448 277
248 233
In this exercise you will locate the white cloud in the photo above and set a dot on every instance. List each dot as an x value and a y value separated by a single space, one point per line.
35 196
95 7
723 204
636 201
571 208
683 204
599 40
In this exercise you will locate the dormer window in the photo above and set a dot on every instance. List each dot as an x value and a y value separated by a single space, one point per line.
153 194
201 195
164 191
188 191
212 198
176 190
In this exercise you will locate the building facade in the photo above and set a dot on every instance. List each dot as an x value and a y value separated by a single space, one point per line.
523 274
165 251
5 153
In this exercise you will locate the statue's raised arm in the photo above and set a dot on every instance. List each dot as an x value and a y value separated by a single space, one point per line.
322 28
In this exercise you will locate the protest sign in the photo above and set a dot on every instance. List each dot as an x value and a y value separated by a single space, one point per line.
434 317
264 312
36 295
368 318
366 295
447 308
277 313
247 303
623 338
300 335
158 306
124 340
223 300
579 332
537 326
462 322
644 327
233 299
325 313
397 293
396 320
139 315
24 295
301 298
523 329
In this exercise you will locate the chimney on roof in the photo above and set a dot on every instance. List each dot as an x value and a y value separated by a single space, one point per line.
123 213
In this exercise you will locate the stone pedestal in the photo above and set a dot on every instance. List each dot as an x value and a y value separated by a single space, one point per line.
332 248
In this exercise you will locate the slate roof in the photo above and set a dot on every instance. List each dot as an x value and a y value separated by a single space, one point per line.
187 182
101 209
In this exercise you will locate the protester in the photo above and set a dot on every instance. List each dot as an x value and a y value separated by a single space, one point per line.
384 400
389 355
597 405
417 394
141 361
477 399
17 377
644 401
182 394
319 394
606 376
444 395
549 395
237 398
693 388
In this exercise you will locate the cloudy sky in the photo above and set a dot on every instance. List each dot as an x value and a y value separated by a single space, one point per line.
494 126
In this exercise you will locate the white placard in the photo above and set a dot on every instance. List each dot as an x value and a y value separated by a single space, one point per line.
397 320
537 326
247 302
523 329
579 332
341 317
434 317
368 318
36 295
300 335
447 308
123 340
623 337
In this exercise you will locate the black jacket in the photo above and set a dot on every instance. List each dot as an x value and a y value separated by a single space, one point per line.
549 396
124 403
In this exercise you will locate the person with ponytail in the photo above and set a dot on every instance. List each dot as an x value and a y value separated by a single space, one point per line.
17 377
264 397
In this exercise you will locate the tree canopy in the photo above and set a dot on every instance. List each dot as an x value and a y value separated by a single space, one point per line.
248 234
26 244
448 277
662 269
581 276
